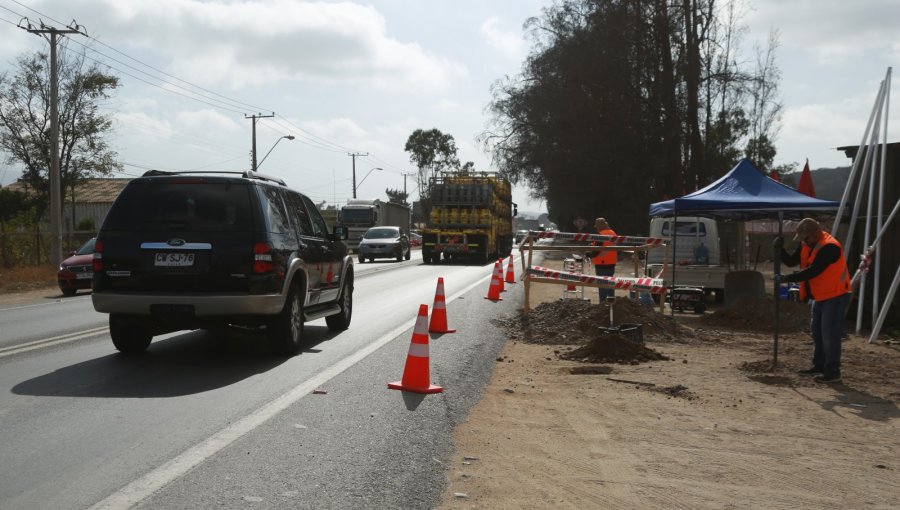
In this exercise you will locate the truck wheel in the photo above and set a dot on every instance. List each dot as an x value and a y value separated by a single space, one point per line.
127 335
341 321
285 330
700 308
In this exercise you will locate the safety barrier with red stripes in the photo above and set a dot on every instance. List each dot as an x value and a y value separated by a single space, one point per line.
616 240
651 285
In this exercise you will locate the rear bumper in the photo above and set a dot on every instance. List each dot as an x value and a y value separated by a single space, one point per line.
203 306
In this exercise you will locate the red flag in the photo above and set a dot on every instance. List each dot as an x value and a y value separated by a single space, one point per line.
806 183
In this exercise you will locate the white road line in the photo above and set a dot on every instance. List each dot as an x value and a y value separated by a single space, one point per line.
47 342
143 487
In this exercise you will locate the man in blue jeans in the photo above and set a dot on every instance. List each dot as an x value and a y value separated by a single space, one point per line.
826 281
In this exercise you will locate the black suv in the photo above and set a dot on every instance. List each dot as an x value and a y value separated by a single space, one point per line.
189 250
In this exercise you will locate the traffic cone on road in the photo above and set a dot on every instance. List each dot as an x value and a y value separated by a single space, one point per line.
498 272
494 290
510 275
416 374
438 322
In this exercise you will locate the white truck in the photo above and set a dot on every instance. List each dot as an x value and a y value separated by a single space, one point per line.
359 215
697 260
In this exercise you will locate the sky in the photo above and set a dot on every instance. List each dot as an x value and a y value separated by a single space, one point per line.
359 77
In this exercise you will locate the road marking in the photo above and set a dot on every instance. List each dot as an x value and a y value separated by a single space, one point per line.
143 487
47 342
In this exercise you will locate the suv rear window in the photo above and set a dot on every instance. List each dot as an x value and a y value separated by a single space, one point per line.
197 205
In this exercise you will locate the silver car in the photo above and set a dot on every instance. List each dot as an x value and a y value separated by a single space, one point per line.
384 242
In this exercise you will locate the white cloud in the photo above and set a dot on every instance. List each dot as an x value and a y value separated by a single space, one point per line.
830 31
509 44
241 44
206 121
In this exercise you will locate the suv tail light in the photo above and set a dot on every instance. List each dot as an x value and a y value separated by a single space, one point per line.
262 258
97 258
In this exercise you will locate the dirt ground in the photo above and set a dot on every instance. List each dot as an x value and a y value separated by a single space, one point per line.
695 416
692 417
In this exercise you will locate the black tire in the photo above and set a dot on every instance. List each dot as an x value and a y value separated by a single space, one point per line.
361 259
285 330
341 321
68 291
128 336
699 308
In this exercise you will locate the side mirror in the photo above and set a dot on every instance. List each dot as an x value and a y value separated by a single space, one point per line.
340 233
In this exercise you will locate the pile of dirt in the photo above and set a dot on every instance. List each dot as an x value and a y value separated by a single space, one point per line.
613 348
572 321
759 315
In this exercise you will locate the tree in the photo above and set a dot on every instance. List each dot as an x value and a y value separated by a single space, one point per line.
25 120
432 151
624 102
765 108
396 196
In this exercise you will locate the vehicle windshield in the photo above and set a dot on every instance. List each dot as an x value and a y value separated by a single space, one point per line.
382 233
87 248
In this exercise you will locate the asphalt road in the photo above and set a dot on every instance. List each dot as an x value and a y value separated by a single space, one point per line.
212 420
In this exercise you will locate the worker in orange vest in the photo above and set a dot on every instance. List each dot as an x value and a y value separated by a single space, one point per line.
605 260
825 281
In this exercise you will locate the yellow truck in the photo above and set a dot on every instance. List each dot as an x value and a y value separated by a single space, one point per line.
470 218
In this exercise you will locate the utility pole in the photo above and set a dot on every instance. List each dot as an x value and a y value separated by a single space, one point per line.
55 191
253 150
404 181
354 155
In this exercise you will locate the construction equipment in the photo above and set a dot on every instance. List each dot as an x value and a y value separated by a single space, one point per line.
470 217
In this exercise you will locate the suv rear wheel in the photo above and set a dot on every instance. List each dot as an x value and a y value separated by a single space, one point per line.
285 330
341 321
127 335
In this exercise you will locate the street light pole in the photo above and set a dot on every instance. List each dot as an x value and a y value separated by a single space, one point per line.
354 155
364 178
253 142
289 137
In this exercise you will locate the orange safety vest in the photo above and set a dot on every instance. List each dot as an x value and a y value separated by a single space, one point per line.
606 257
834 281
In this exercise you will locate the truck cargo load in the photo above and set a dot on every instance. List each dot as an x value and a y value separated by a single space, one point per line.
470 218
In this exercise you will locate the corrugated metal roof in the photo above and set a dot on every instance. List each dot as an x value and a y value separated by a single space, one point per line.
101 191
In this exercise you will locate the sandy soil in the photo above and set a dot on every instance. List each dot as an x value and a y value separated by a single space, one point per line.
711 426
37 293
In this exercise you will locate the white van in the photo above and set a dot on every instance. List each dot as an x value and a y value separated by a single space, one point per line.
696 243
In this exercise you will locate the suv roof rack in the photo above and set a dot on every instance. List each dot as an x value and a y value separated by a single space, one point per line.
247 174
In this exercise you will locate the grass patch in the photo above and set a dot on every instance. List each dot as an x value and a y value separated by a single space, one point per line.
23 278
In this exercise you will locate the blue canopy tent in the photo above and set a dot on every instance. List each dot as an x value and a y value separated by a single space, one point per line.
744 194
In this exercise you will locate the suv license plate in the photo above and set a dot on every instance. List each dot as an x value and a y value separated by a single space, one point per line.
174 259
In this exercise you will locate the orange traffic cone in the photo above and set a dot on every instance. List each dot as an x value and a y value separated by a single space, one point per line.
438 322
494 291
510 274
416 374
498 272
